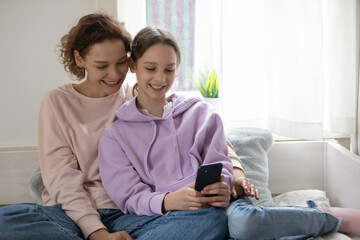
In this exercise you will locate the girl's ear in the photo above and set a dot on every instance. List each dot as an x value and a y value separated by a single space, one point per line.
132 65
78 59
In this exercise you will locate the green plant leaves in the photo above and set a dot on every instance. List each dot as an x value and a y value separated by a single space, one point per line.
208 84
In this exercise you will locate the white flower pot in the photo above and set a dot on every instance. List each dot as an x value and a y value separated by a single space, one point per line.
214 102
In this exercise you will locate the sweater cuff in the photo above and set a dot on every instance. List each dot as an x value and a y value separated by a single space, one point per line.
156 203
233 157
89 224
237 164
228 180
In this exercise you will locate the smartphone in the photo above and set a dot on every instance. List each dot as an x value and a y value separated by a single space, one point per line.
207 174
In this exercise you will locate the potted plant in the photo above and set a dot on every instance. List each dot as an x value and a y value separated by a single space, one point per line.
208 85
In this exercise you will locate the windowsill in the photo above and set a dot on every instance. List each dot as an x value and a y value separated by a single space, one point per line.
343 139
186 93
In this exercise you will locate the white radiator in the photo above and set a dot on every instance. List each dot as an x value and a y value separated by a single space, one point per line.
16 168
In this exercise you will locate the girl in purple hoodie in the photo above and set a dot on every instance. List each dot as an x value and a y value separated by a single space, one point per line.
149 156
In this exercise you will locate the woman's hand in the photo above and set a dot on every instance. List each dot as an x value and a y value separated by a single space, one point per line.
243 186
221 191
103 234
186 198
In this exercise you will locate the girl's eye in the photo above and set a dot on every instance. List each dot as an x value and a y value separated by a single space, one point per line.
170 70
150 69
121 63
101 67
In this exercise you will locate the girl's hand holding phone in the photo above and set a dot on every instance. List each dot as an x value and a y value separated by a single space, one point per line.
186 198
221 191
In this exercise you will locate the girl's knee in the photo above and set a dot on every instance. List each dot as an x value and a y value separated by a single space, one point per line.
216 223
221 217
210 223
213 217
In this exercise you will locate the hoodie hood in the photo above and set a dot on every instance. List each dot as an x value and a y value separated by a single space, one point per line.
129 112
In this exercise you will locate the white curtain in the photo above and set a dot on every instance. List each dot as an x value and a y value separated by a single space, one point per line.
290 66
355 141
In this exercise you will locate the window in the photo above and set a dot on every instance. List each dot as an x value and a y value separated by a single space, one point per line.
179 18
289 66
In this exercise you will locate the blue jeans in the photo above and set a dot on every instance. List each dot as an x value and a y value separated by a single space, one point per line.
247 221
31 221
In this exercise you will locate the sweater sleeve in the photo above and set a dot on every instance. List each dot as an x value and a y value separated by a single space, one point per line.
234 158
123 183
61 174
214 145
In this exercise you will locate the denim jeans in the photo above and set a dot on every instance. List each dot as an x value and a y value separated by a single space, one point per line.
34 222
247 221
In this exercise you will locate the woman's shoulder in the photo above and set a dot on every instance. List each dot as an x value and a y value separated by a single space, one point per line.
57 93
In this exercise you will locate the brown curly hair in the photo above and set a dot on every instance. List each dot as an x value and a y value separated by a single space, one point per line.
91 29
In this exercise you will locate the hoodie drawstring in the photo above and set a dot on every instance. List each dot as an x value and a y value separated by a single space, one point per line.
175 143
146 165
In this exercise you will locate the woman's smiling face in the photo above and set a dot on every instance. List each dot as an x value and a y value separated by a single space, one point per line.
107 65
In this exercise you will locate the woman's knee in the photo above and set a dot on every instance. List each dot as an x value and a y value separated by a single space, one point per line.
31 221
10 214
244 221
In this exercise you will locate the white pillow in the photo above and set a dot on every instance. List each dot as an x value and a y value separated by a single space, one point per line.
299 198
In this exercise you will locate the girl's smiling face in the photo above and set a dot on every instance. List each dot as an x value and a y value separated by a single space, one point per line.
155 72
107 65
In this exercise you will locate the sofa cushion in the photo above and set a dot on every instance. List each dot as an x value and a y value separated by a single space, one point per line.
251 145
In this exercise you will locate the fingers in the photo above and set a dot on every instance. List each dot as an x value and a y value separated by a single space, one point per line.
123 236
252 191
221 189
234 193
216 185
237 190
191 185
197 202
221 200
244 186
257 195
189 199
220 195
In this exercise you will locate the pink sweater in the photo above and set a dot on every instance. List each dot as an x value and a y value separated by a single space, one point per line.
70 126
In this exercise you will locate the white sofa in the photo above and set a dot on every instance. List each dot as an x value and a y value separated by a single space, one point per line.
321 165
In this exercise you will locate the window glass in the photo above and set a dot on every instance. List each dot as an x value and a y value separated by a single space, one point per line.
179 18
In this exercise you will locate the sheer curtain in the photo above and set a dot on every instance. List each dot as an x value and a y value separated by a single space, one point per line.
356 138
290 66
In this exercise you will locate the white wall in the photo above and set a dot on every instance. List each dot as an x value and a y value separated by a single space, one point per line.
133 13
29 33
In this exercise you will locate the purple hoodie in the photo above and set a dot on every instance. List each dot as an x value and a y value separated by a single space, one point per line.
143 157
